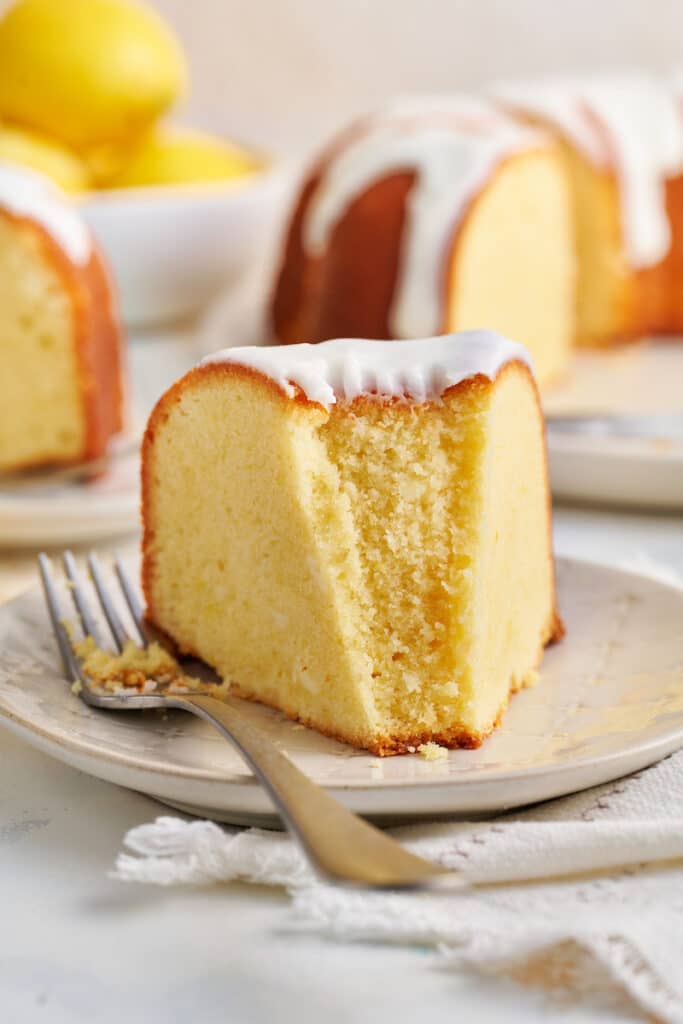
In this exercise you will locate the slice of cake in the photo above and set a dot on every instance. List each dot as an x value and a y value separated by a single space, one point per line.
357 532
60 343
436 214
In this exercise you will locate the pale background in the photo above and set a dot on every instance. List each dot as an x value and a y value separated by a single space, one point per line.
282 73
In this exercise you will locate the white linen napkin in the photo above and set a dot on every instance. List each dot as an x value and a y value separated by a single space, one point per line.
582 895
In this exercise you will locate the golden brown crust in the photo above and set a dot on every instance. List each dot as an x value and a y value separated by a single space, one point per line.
660 294
97 339
348 292
383 746
100 348
301 280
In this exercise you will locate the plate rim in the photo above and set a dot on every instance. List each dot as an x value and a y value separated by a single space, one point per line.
70 512
605 448
663 741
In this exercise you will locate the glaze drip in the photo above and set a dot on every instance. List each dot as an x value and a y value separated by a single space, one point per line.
630 123
453 145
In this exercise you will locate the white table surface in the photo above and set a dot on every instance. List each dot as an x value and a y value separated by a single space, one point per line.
76 946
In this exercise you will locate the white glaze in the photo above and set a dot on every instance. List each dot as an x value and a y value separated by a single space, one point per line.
345 368
631 123
30 195
453 144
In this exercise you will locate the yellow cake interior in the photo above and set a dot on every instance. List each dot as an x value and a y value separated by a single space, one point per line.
41 416
603 272
513 263
381 571
601 310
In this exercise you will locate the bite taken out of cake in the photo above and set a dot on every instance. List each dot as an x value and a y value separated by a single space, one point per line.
357 533
60 341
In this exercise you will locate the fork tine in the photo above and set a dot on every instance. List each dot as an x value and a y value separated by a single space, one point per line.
132 600
90 627
112 616
69 660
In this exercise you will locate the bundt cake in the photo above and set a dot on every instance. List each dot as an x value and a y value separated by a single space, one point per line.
60 344
434 215
448 214
356 532
623 142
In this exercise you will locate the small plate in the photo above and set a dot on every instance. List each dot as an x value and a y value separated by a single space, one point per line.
643 378
638 473
609 702
74 512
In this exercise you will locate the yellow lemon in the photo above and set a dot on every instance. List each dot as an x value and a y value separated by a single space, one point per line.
20 146
87 71
106 160
173 156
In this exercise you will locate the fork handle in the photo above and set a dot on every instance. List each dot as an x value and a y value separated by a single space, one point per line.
341 846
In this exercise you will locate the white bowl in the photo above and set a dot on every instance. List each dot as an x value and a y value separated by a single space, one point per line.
173 248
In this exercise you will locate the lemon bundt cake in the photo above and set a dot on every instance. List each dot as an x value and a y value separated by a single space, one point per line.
357 532
60 345
623 142
435 215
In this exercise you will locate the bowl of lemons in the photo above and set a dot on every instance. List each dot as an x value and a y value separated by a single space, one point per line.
86 87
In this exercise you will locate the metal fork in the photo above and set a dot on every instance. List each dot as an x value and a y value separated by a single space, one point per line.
341 847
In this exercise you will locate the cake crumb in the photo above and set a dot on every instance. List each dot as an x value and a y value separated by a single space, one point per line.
297 727
76 687
432 751
144 669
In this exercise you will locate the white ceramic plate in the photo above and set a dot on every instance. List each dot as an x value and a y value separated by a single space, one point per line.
610 701
639 379
75 512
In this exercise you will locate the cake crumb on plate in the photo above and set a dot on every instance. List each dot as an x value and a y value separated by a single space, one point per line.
432 751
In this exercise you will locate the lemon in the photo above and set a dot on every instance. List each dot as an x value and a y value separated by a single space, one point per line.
172 156
87 71
20 146
106 160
